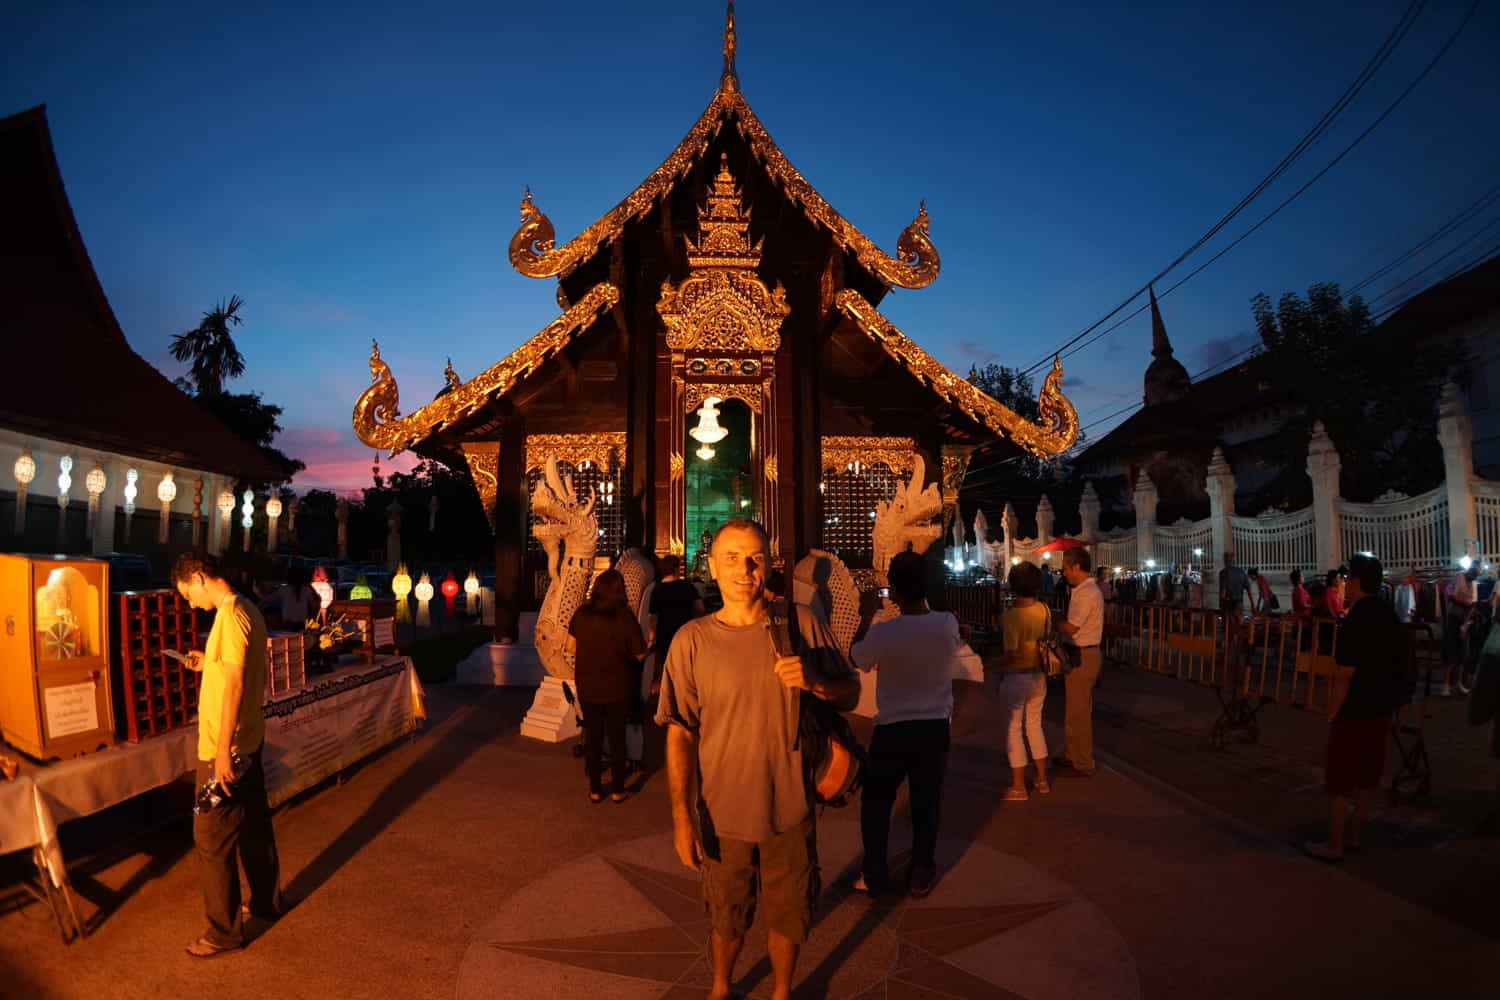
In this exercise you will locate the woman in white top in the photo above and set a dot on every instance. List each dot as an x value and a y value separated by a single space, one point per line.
292 604
1023 685
914 700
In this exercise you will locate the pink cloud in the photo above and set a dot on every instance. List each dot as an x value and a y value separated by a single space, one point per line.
335 459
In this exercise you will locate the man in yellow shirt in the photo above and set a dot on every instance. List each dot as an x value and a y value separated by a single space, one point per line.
230 724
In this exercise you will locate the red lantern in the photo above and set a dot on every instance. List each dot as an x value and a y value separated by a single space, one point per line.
450 591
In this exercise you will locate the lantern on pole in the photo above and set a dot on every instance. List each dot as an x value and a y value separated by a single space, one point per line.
64 487
247 515
166 492
25 470
94 482
424 597
273 514
471 593
226 511
131 476
401 586
361 590
197 508
450 591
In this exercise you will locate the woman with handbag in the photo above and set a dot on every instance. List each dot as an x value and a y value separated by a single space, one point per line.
606 641
1023 683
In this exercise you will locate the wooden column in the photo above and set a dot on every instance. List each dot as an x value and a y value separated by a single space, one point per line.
511 588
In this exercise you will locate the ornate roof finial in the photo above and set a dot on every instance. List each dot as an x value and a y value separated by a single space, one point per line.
730 80
451 376
1160 345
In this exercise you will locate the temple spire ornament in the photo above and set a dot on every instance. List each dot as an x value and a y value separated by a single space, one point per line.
1166 379
730 80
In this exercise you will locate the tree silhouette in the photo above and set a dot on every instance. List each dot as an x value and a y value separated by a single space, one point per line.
210 348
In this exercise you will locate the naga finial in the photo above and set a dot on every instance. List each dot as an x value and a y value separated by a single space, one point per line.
923 220
730 79
377 366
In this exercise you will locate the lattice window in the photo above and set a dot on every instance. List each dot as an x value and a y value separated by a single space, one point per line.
609 506
849 500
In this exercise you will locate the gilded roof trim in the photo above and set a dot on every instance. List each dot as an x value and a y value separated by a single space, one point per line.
377 415
534 253
1053 434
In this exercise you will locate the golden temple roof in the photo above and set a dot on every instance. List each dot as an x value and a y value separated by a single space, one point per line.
533 250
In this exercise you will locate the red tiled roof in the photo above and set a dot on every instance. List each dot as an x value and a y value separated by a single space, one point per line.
69 374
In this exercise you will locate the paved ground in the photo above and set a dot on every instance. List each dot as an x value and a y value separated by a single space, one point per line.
467 863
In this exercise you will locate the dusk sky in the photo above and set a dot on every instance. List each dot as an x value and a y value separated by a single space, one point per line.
353 171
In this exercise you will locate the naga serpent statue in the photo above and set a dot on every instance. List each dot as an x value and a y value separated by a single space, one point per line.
568 533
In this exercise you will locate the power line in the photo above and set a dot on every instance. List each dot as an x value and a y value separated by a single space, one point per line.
1400 98
1373 66
1409 278
1474 208
1482 258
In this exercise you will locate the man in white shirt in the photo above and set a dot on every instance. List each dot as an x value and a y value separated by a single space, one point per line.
914 701
1084 629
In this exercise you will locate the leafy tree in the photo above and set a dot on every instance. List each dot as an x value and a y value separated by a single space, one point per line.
1374 392
256 421
210 348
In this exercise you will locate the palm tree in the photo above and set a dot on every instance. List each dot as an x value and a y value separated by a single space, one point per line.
211 349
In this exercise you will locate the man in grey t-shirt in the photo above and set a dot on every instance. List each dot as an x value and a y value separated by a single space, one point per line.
731 707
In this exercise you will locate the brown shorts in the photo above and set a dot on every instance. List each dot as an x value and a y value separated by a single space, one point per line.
1356 755
785 868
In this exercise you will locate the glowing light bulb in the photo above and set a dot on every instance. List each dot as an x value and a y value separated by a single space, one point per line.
25 468
95 481
64 478
131 475
166 490
226 503
704 452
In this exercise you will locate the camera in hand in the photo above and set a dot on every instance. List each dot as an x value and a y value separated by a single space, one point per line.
211 793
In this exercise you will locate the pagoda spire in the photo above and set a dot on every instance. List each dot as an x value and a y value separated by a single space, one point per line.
730 79
1161 347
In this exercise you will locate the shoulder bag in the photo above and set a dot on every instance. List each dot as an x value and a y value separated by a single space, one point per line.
833 761
1050 655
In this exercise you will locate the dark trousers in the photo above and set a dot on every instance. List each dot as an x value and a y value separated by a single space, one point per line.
237 833
601 719
915 752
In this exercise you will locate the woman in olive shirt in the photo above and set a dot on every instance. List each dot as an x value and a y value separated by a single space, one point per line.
606 641
1023 685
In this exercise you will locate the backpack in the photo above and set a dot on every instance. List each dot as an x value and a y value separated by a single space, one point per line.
833 761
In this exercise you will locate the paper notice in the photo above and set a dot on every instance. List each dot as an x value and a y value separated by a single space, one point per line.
385 632
71 709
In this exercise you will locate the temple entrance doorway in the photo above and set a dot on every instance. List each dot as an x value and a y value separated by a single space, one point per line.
720 456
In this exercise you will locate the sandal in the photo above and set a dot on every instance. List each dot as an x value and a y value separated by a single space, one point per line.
1042 788
596 797
204 948
619 797
1014 794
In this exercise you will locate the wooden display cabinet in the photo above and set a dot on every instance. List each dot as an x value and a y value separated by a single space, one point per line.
54 655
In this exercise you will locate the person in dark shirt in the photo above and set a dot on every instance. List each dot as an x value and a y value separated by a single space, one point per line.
1372 642
606 641
674 603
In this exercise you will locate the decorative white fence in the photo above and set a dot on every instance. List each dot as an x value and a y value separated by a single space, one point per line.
1487 518
1117 549
1184 543
1404 532
1275 542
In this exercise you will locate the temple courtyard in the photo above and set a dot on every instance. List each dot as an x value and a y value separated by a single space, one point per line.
466 862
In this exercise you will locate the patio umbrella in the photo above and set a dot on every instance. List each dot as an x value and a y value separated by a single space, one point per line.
1060 544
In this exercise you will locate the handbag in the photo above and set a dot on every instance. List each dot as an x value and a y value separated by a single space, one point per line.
833 761
1054 660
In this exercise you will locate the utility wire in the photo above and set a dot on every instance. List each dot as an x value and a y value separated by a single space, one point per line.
1474 208
1394 289
1400 98
1392 40
1482 258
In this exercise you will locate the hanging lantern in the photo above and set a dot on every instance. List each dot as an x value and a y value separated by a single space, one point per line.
94 482
704 452
273 515
471 591
361 591
423 591
166 492
401 586
64 487
450 591
247 518
708 430
25 470
323 587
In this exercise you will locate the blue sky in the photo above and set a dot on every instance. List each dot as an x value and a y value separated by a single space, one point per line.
353 170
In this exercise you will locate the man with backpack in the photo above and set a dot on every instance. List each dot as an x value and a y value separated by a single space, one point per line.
732 709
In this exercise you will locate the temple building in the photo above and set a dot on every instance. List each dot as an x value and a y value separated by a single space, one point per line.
719 352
